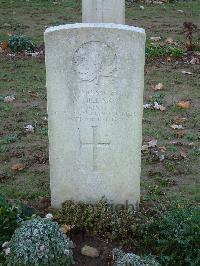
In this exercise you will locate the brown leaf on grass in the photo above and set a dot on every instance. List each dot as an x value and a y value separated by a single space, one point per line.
177 143
169 40
168 59
33 94
158 87
145 148
180 120
183 153
163 149
180 134
150 144
66 228
4 45
184 104
18 167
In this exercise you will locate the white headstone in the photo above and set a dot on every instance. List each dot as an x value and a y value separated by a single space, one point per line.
103 11
95 77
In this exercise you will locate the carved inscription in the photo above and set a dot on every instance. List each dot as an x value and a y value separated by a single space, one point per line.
93 60
96 97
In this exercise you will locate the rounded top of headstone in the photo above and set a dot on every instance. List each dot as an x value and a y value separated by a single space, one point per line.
95 25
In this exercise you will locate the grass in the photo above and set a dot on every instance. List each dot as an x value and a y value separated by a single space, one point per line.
174 177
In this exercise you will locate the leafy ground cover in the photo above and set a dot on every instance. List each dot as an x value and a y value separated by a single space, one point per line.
171 132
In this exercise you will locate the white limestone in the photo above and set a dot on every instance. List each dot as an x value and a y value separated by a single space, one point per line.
103 11
95 76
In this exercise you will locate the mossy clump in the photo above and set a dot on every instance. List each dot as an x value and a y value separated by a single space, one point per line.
20 43
131 259
39 242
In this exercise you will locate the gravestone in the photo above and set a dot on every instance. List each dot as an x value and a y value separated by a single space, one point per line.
103 11
95 79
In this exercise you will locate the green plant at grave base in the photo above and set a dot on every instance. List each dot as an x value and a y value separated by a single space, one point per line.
39 242
156 50
20 43
174 237
101 219
11 216
130 259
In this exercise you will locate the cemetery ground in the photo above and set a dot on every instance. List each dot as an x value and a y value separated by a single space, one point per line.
171 131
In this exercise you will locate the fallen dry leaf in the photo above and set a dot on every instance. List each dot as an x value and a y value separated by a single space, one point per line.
156 39
168 59
183 153
145 147
33 93
35 54
147 106
180 120
163 149
174 126
66 228
9 99
177 143
158 87
180 133
4 45
29 128
186 72
184 104
162 157
169 40
159 107
152 143
18 167
195 61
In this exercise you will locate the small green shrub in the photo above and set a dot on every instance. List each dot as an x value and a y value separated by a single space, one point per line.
100 219
156 50
130 259
39 242
175 237
20 43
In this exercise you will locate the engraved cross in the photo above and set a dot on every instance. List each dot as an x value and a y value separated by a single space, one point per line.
95 145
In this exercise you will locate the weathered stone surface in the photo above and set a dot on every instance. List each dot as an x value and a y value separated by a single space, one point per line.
89 251
95 76
103 11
